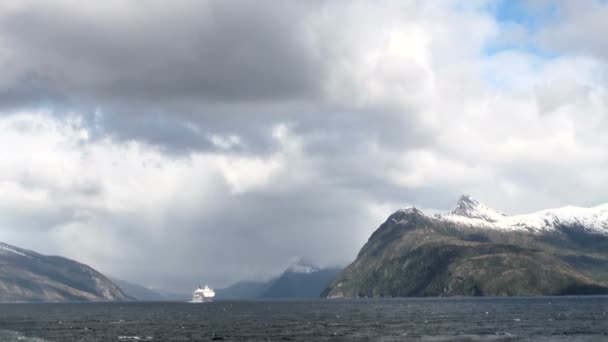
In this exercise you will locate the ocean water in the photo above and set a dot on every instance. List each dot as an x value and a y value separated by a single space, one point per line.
453 319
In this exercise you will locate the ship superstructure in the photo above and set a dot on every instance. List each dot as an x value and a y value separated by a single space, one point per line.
203 295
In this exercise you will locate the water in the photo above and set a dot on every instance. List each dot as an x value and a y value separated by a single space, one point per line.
456 319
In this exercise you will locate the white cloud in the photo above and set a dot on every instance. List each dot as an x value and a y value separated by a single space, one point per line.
392 103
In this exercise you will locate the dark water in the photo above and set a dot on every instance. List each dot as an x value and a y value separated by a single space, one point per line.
479 319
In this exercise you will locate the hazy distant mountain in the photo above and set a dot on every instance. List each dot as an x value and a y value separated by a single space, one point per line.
301 280
139 292
29 276
243 290
474 250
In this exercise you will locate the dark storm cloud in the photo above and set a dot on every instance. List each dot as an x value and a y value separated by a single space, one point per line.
156 63
216 51
156 72
185 128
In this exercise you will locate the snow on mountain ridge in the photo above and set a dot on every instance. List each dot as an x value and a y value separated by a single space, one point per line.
8 249
472 213
302 266
301 269
471 208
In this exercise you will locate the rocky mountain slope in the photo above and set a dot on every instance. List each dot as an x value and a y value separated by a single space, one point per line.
32 277
474 250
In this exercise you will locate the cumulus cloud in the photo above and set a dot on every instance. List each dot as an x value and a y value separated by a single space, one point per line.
239 136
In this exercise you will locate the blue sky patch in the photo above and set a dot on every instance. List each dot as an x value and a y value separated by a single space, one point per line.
525 15
531 15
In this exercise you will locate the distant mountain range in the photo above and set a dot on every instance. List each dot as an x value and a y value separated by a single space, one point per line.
27 276
301 280
243 290
474 250
471 250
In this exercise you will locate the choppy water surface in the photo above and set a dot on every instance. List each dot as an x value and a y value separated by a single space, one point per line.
478 319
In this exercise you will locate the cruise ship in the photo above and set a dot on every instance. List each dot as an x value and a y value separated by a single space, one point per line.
203 295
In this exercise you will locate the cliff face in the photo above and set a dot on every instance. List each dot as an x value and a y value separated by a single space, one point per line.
29 276
475 251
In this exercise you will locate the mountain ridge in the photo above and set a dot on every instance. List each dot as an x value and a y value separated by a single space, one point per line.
467 252
28 276
472 212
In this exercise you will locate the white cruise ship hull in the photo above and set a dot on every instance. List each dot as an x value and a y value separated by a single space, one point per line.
203 295
201 300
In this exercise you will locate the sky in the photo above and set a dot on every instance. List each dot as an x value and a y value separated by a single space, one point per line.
211 141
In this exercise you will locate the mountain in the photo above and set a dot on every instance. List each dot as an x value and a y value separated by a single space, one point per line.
475 250
470 212
301 280
32 277
244 290
139 292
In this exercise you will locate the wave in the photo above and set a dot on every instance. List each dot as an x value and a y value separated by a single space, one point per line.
10 336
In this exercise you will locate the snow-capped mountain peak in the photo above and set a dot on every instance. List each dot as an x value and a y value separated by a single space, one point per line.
302 266
471 208
470 212
409 210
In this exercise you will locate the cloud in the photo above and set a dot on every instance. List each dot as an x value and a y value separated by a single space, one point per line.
191 50
130 209
221 67
579 30
241 136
